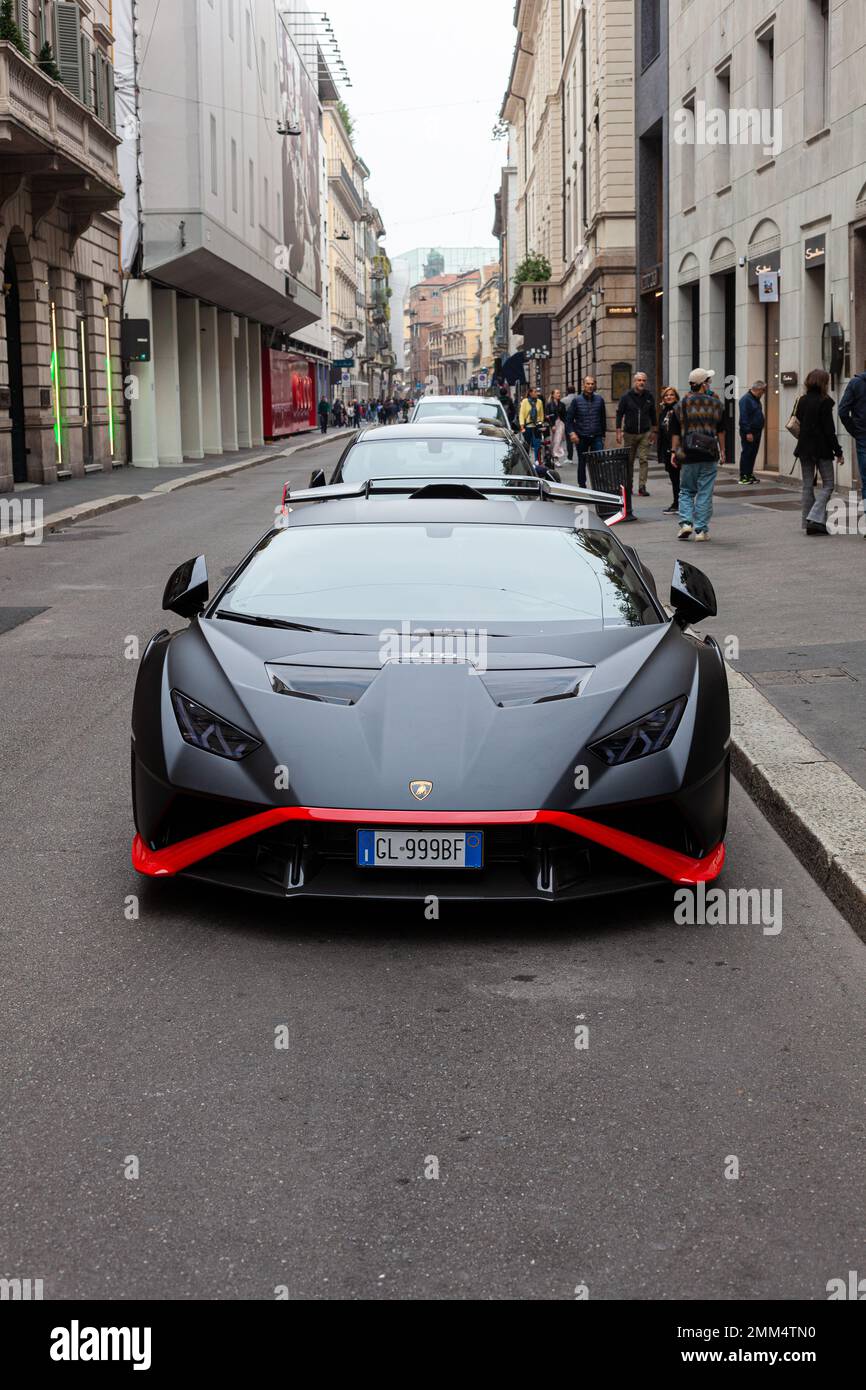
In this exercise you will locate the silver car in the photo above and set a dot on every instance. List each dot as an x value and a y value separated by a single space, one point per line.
460 408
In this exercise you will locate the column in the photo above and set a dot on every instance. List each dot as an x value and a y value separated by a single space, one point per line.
228 393
167 369
210 380
97 373
140 386
256 403
242 382
189 354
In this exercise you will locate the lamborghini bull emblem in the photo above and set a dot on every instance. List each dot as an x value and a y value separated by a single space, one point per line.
420 790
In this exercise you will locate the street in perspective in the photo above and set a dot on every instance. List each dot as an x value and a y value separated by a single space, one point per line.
432 660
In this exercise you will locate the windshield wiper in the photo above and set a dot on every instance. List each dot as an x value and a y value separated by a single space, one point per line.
283 623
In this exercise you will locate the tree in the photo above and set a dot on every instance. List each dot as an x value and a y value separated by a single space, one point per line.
47 63
342 111
9 29
532 268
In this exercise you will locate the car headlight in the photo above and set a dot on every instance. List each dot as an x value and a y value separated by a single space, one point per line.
203 729
650 734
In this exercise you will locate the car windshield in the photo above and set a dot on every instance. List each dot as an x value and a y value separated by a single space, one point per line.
473 410
481 576
404 457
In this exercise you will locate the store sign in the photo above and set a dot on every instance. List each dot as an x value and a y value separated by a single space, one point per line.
790 378
768 287
763 265
815 252
651 280
621 311
347 362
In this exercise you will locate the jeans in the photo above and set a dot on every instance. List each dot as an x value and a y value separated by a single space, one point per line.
748 455
323 424
861 462
697 481
586 445
532 438
674 475
638 448
815 509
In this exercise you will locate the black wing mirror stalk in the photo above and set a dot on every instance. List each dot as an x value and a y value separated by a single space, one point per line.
317 478
693 597
187 592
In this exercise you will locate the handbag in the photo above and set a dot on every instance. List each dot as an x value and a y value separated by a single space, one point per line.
793 425
702 448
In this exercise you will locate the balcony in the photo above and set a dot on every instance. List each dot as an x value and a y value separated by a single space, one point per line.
339 176
534 299
57 141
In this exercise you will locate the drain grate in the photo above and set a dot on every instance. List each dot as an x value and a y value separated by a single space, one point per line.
13 617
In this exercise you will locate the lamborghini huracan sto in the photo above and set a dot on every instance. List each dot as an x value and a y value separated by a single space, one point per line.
460 689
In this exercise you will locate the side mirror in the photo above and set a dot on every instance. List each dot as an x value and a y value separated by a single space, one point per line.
317 478
693 597
187 592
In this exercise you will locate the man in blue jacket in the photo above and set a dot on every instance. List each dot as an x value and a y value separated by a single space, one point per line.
852 413
751 431
586 425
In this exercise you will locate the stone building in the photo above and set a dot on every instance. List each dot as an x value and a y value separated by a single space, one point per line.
461 332
570 109
61 401
424 307
768 178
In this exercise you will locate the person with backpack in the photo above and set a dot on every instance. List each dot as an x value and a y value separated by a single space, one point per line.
852 413
531 419
817 447
699 446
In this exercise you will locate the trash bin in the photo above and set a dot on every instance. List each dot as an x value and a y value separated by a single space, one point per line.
609 471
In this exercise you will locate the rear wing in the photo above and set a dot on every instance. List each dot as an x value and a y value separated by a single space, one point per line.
539 489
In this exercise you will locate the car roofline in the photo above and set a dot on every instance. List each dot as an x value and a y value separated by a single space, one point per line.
540 489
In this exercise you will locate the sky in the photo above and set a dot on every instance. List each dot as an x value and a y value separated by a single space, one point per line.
428 78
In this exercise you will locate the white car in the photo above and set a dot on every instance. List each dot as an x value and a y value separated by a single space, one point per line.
460 408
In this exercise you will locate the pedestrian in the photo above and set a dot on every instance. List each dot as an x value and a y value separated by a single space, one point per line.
508 405
669 429
636 427
555 412
356 413
700 448
852 413
817 446
324 412
752 423
587 425
531 420
568 402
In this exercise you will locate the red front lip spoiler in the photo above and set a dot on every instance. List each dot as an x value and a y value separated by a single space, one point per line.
669 863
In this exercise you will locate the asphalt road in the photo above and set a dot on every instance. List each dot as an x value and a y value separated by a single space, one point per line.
154 1038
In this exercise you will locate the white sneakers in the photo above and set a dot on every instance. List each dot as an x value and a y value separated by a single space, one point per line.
685 532
702 535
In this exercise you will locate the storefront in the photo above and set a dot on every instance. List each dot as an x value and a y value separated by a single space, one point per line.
289 390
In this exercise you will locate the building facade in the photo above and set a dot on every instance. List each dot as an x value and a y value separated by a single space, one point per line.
652 169
489 299
505 232
784 195
426 263
60 372
461 332
379 361
570 104
425 305
347 204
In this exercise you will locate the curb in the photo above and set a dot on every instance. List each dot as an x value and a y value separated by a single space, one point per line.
815 806
85 510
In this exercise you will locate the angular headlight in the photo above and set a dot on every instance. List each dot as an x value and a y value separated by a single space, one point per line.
650 734
204 729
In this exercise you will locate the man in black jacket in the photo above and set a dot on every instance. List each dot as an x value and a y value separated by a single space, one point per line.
636 423
852 413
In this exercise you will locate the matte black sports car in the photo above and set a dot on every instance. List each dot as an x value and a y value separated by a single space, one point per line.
461 691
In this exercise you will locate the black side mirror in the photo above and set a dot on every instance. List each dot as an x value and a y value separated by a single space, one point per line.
187 592
693 597
317 478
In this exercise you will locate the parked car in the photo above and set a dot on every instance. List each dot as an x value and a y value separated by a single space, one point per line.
465 407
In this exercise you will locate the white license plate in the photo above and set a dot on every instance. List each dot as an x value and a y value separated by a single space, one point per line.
427 849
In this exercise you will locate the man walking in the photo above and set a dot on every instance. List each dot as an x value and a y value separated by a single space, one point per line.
586 425
751 431
324 412
700 449
568 401
852 413
531 420
636 427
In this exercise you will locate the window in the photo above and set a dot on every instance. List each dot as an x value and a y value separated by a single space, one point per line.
249 40
766 93
266 204
650 24
687 158
213 154
231 9
252 193
817 87
723 149
234 176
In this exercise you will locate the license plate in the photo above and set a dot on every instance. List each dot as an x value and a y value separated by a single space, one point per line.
428 849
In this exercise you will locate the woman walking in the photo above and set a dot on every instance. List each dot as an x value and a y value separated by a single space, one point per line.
669 425
817 447
556 413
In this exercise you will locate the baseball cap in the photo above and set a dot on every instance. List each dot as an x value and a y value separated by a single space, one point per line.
699 376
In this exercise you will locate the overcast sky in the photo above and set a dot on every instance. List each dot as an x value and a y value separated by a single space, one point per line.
428 81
